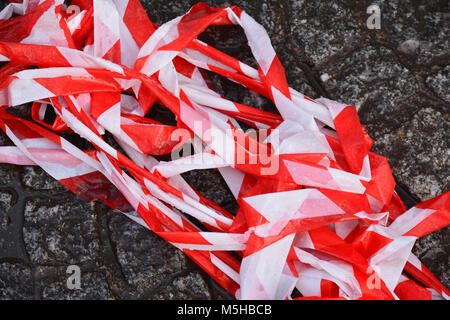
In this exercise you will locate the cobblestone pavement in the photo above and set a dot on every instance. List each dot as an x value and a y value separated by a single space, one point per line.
397 76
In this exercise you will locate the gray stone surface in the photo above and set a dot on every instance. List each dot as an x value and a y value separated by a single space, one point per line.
397 76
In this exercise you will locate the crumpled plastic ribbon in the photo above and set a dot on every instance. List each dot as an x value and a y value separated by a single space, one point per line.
327 222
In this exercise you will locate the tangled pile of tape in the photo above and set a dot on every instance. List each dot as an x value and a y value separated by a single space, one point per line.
318 215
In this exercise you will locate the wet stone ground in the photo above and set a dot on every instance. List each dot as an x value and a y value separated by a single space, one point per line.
397 76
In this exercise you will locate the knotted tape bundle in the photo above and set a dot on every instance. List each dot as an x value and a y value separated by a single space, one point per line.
317 210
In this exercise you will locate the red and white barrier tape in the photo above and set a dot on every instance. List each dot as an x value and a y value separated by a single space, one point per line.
317 209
